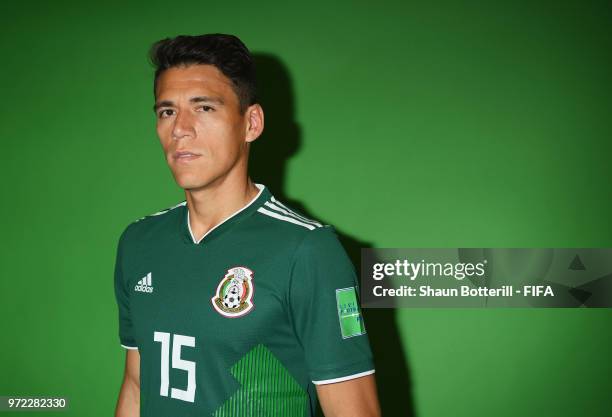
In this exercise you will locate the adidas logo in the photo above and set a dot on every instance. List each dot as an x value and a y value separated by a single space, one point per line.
144 285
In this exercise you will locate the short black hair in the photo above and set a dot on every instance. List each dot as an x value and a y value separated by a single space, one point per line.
226 52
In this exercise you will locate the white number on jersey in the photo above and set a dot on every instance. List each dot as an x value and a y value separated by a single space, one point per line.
177 363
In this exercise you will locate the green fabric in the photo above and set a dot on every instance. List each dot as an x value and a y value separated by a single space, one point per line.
278 331
268 389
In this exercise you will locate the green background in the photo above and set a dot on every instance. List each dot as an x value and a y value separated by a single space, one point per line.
404 124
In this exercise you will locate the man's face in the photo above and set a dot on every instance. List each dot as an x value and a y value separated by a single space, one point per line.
201 130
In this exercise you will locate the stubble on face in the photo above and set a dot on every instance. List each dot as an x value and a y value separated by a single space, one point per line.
199 125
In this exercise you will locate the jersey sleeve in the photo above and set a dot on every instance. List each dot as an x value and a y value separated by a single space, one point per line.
122 296
325 310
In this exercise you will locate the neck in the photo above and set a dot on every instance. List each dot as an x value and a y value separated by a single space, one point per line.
211 205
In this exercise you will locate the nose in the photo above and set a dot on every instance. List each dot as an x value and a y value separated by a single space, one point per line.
183 126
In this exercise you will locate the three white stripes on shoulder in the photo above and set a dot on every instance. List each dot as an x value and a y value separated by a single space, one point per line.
278 210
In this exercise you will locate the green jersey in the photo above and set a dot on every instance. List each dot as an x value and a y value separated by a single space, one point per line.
242 322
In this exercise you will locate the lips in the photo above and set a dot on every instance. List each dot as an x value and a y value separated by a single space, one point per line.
185 156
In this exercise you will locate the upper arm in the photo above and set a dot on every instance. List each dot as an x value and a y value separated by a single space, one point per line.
128 403
122 296
325 312
132 367
356 398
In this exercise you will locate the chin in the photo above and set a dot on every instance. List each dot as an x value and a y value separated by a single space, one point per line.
190 182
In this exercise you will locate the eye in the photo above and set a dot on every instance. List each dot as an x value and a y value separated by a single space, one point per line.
207 108
162 114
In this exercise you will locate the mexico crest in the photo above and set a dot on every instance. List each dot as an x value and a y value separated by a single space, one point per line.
234 297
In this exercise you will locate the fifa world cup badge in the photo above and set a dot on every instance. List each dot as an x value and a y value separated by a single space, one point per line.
234 296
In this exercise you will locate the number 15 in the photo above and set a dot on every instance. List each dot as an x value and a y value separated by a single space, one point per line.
177 363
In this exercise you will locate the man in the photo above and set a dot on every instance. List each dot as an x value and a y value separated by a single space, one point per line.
230 303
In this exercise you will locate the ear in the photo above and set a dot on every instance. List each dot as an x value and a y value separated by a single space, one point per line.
254 122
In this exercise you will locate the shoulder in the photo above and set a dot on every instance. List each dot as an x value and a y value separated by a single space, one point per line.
280 216
152 223
309 233
283 223
295 232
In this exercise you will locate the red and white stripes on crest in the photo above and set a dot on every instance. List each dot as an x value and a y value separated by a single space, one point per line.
278 210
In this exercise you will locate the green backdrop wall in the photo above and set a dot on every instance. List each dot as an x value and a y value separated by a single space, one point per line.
404 124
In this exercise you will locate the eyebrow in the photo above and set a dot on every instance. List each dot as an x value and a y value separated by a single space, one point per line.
198 99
